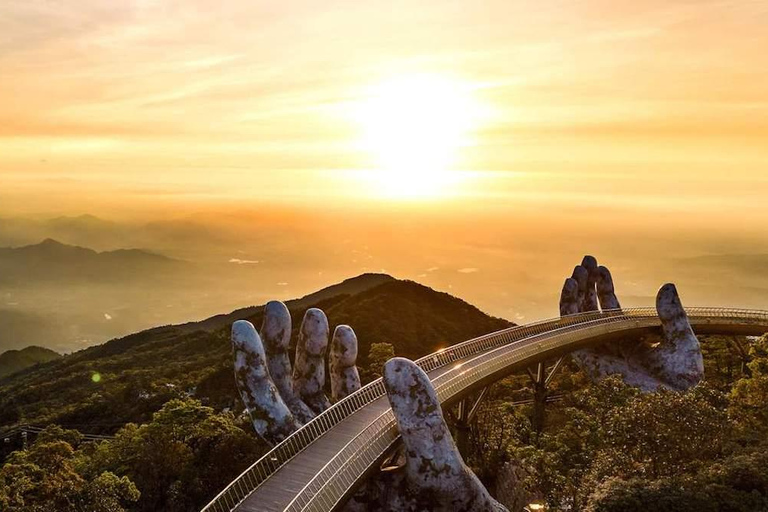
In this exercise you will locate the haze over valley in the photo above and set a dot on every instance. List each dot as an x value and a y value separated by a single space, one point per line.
481 151
72 281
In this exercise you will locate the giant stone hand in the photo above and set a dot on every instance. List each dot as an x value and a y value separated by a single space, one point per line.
434 477
673 361
280 399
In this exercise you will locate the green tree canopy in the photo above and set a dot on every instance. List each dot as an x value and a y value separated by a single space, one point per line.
50 475
181 458
379 354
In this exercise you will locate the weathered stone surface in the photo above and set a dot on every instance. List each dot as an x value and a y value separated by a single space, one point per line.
678 358
569 297
437 478
673 362
276 335
345 379
607 360
605 291
510 488
309 372
383 492
581 275
590 294
271 417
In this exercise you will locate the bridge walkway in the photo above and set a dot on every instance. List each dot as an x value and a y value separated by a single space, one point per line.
276 493
319 466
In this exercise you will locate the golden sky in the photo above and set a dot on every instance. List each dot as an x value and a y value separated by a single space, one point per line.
649 105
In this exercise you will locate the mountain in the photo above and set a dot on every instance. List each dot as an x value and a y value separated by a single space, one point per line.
415 319
172 235
140 372
86 230
13 361
65 296
52 261
351 286
82 227
754 265
742 273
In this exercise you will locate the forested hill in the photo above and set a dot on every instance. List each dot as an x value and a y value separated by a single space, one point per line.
351 286
15 360
127 379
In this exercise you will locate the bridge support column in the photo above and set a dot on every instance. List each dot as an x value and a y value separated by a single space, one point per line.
541 380
743 353
465 414
539 400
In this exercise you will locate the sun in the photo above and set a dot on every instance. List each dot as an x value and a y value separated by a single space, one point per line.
414 128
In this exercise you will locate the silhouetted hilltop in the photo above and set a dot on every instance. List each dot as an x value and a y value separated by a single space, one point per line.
351 286
51 260
13 361
80 223
416 319
140 372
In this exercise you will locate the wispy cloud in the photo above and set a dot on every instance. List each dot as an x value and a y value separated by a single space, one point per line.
266 85
238 261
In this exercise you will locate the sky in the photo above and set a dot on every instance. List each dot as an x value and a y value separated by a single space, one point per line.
640 128
647 102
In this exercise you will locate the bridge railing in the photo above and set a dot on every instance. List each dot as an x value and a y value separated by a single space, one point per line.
278 456
345 469
35 429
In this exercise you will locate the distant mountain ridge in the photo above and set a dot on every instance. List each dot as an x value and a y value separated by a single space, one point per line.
757 263
140 372
51 260
83 222
50 248
13 361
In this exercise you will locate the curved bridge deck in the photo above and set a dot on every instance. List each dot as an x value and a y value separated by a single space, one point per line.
320 465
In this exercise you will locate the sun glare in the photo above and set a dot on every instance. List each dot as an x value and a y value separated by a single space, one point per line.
414 128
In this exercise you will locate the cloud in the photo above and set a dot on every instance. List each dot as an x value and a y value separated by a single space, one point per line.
122 89
468 270
238 261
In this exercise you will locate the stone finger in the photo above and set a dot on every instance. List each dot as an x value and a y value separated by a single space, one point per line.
605 289
309 369
437 477
276 335
345 379
589 302
270 416
678 359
